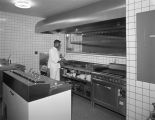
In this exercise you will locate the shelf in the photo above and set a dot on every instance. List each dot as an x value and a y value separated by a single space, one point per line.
79 69
77 79
80 87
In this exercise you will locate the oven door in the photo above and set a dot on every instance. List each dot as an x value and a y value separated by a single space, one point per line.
105 95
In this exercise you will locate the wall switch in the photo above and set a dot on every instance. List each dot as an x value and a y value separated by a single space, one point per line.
36 52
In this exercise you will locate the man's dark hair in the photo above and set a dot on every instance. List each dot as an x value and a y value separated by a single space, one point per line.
57 41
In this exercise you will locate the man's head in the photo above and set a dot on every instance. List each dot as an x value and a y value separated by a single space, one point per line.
57 44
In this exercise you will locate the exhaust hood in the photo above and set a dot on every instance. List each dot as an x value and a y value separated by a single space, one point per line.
100 11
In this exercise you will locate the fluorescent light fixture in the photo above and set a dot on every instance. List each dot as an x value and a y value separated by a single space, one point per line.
23 3
67 35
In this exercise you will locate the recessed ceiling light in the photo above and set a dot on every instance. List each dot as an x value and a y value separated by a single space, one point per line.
23 3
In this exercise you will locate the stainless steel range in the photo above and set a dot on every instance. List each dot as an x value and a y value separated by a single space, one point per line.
109 87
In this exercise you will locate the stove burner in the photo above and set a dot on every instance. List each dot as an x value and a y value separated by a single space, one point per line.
117 77
114 73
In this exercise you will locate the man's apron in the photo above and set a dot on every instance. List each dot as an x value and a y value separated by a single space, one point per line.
55 71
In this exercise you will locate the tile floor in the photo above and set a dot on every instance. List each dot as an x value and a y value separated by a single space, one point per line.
82 110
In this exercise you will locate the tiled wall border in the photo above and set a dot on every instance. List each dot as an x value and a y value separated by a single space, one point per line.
140 95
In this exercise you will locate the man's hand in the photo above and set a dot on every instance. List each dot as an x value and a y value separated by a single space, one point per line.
48 72
59 61
63 59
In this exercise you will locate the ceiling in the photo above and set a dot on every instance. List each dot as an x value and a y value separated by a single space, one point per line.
46 8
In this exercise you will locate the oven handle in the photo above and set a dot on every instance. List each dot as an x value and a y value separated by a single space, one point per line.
107 87
98 79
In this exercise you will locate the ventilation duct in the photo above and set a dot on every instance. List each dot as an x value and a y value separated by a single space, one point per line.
100 11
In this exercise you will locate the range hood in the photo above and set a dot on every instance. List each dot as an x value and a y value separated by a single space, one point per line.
100 11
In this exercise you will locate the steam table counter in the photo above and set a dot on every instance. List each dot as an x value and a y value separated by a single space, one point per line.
26 97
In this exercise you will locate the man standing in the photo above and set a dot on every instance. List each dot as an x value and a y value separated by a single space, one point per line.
54 60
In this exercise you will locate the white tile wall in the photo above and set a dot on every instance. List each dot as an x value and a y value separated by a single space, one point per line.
18 38
132 102
101 59
140 94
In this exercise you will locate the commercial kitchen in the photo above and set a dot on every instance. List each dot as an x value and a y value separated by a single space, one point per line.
108 67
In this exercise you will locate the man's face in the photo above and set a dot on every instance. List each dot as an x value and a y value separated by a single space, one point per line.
57 45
